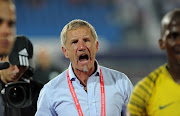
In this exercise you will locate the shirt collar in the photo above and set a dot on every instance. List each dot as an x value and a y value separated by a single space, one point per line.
73 77
71 73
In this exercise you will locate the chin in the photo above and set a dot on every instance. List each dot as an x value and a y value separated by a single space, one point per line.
85 69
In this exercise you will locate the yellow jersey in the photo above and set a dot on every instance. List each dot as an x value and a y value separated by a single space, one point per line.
156 95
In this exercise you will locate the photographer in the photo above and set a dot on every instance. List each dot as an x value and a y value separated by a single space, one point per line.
19 69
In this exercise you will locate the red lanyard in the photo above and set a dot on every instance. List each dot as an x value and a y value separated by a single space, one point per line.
76 100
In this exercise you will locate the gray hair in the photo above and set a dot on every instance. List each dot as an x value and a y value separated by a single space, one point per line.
74 24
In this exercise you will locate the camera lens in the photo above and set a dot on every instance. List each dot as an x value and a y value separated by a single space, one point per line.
17 95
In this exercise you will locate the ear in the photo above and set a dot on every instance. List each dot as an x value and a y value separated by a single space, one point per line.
97 46
65 52
161 44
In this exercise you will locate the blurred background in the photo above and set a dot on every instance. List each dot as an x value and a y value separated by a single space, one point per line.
128 32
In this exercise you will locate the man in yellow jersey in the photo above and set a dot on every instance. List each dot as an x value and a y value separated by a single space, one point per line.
158 94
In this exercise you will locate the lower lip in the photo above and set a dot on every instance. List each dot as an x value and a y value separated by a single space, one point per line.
84 62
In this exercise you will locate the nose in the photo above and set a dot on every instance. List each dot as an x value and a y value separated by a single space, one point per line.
82 46
16 69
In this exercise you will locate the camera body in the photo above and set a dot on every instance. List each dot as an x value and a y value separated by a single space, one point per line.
17 94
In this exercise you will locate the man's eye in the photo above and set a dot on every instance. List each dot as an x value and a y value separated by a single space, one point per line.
11 23
1 21
174 35
86 40
74 42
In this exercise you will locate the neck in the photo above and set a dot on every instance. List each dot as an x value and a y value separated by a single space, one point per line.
174 70
84 75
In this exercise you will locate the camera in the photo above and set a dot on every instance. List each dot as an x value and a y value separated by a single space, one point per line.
17 94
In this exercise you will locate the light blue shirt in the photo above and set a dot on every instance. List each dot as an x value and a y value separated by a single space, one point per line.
55 98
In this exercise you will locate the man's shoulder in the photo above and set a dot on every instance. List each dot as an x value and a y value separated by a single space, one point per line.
142 93
112 72
109 70
146 85
155 74
114 76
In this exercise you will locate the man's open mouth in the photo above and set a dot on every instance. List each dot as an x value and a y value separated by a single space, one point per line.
83 57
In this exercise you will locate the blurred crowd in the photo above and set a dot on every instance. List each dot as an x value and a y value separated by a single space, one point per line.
128 24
